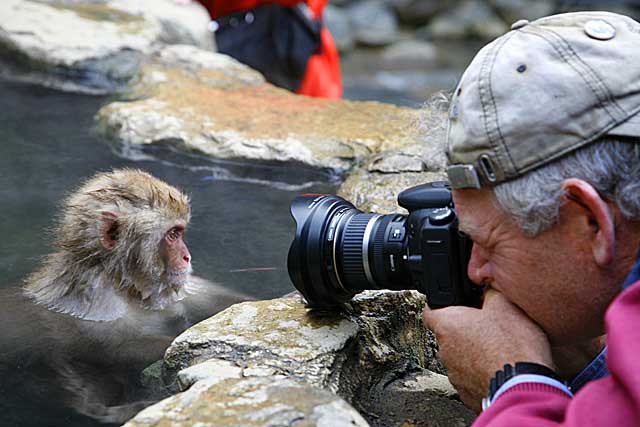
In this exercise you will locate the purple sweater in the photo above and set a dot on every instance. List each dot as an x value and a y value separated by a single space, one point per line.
610 401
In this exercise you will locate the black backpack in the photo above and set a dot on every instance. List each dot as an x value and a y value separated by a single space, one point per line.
273 39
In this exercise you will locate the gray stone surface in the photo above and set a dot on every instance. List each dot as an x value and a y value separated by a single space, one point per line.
339 24
419 12
374 22
375 354
470 18
375 186
275 335
93 47
514 10
206 102
411 54
249 402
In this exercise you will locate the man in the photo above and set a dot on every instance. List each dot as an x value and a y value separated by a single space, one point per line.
544 161
286 40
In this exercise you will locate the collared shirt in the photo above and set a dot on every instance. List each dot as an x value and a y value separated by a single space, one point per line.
597 368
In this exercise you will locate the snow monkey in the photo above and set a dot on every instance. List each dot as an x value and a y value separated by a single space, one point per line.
111 297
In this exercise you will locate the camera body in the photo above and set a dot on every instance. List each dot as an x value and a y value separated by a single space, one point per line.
339 251
437 253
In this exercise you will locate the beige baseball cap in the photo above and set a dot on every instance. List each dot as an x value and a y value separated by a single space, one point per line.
541 91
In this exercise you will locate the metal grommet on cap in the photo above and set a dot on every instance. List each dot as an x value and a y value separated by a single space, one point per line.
599 29
519 24
488 169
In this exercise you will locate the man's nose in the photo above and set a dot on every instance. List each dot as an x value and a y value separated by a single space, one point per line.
479 270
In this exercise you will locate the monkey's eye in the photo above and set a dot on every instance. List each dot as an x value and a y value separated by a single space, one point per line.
173 235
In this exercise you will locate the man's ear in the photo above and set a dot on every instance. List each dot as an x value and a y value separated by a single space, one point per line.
600 219
109 230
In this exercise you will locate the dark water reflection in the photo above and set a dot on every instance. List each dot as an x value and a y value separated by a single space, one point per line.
240 212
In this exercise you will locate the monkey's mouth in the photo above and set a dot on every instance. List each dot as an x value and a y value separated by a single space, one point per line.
176 277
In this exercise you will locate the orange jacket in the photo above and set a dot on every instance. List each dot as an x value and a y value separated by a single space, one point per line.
322 76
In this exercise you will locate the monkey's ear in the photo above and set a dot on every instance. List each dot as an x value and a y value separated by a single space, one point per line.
109 230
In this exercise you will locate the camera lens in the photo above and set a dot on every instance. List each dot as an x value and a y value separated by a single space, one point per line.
339 251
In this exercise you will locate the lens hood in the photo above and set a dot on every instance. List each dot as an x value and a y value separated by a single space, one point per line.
310 262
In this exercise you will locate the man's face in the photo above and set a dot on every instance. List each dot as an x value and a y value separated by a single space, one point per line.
552 277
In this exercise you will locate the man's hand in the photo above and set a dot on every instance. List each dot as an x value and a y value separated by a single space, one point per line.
474 344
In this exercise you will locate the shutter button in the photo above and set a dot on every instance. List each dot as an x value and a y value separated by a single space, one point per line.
441 216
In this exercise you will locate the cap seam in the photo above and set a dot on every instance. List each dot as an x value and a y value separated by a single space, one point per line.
489 62
565 55
598 80
586 73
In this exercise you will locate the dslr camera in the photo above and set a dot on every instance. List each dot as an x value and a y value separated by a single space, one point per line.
339 251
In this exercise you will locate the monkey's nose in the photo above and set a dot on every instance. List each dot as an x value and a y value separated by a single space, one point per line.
187 258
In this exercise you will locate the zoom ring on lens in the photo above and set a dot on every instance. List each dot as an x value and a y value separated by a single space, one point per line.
354 251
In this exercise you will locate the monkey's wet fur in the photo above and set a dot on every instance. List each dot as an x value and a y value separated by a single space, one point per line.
109 300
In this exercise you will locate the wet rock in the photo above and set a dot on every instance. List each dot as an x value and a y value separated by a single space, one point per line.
276 335
106 45
236 366
419 400
514 10
471 18
374 22
339 24
630 8
410 54
186 23
375 192
375 187
419 12
216 106
341 2
255 401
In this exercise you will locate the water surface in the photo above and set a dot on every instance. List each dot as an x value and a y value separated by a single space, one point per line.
240 229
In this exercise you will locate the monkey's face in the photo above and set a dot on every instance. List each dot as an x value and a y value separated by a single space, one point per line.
175 256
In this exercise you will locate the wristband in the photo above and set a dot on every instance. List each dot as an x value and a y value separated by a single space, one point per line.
510 371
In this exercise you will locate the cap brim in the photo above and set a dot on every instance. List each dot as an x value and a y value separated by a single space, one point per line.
629 128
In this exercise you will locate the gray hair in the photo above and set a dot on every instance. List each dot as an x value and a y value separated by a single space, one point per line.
610 165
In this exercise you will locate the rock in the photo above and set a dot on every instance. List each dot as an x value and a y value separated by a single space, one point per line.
216 106
375 187
374 22
339 24
375 192
151 377
409 401
256 401
340 2
106 45
410 54
274 334
471 18
419 12
186 23
374 351
514 10
629 8
214 368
